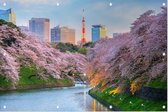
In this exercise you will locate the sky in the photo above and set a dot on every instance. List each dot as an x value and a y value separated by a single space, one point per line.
116 15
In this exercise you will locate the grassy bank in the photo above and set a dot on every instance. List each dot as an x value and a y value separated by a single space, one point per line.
28 79
157 83
128 102
4 83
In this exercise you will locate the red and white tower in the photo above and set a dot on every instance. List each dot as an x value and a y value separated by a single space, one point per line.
83 40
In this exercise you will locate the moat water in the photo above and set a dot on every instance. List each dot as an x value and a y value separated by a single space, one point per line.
50 99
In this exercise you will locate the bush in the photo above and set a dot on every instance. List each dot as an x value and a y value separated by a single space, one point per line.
82 51
3 22
10 24
89 44
63 47
4 82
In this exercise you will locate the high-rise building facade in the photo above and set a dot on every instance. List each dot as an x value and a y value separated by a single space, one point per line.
67 35
98 32
102 32
8 15
40 26
55 34
95 33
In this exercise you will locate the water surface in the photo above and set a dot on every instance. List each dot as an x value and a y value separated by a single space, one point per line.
50 99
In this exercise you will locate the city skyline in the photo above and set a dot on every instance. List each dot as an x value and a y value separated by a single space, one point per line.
116 16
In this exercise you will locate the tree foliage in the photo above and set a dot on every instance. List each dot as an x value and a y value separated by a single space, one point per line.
16 51
131 55
10 24
89 44
67 47
63 47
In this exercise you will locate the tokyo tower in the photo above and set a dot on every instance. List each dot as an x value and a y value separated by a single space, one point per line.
83 40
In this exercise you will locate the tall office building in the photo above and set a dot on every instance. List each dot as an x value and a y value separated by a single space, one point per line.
98 32
103 32
41 27
55 34
8 15
67 35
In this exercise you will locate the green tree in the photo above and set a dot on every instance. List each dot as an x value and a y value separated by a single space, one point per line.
63 47
89 44
82 50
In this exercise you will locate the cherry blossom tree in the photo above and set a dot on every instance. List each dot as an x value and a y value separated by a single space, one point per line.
18 49
132 55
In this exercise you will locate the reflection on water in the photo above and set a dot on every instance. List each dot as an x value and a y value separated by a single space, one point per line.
59 99
84 96
96 106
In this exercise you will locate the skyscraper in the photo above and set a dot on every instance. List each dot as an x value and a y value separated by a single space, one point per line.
8 15
98 32
67 35
41 27
55 34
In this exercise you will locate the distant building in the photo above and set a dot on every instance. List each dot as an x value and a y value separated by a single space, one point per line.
55 34
8 15
115 35
41 27
23 28
67 35
98 32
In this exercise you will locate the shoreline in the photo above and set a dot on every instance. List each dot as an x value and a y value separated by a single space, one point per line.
103 102
34 87
128 102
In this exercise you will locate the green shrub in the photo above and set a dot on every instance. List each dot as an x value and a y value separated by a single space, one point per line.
63 47
157 83
10 24
82 50
3 22
89 44
4 83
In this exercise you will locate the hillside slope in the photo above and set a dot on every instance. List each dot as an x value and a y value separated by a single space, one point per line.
25 60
